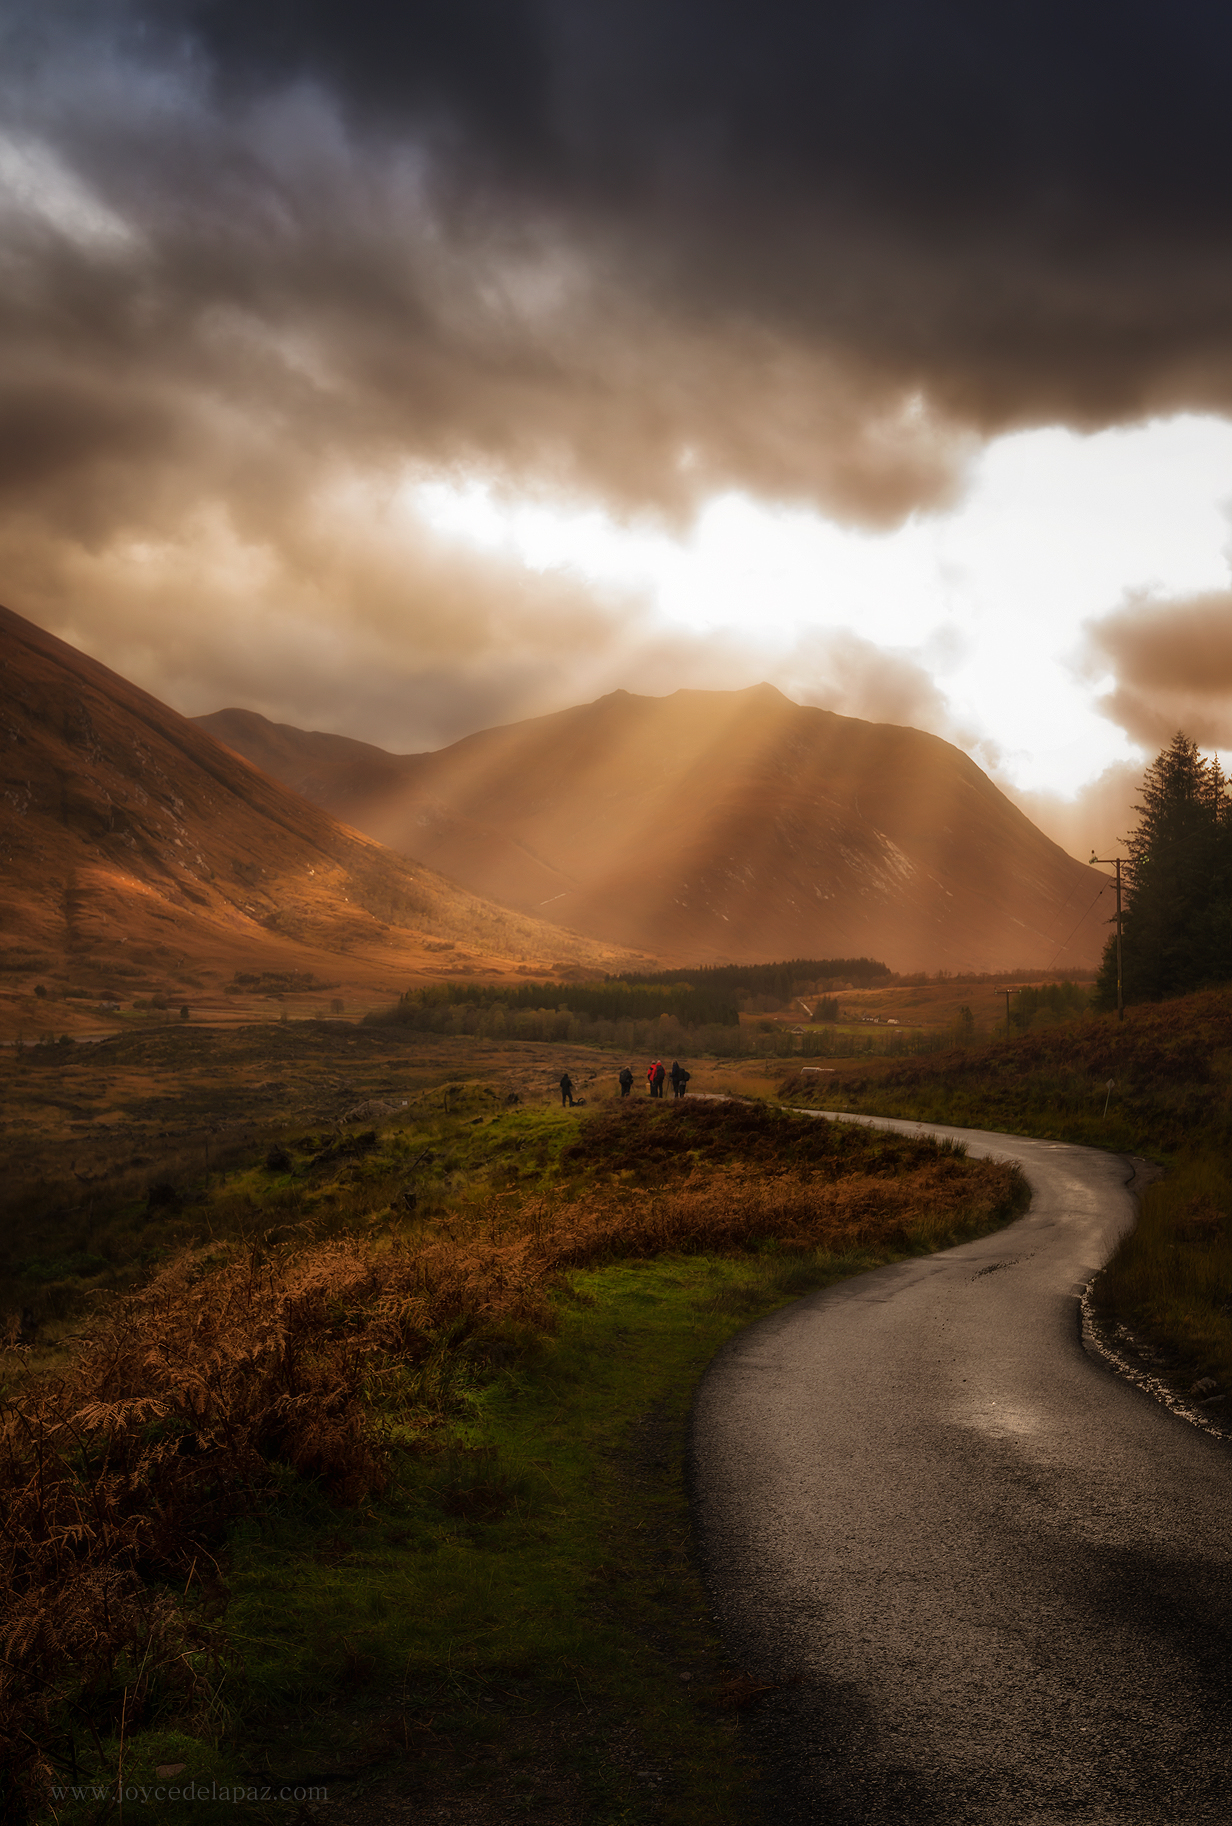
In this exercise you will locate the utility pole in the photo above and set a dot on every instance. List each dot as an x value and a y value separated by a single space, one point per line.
1006 994
1116 861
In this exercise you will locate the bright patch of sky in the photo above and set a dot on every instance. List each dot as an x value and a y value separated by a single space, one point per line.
989 598
36 185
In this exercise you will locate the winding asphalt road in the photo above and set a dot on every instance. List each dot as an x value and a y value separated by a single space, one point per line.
990 1580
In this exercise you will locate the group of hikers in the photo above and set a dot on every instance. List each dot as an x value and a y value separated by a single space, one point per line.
656 1078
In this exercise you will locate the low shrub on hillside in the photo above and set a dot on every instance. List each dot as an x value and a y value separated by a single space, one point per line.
641 1137
1170 1064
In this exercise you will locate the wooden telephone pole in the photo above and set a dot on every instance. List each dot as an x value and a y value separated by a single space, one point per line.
1116 861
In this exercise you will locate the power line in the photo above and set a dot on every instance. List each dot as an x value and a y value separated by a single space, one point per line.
1089 910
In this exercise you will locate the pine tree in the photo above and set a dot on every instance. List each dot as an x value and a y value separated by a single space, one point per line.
1178 918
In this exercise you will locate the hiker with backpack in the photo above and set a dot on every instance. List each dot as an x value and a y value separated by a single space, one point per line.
680 1077
625 1081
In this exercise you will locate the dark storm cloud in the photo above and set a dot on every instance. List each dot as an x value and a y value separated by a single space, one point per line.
1020 209
649 249
936 107
1171 646
1172 666
260 262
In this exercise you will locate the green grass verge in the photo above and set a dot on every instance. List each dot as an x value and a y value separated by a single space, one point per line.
1170 1280
520 1620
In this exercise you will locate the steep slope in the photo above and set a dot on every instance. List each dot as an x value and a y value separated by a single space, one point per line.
132 844
712 824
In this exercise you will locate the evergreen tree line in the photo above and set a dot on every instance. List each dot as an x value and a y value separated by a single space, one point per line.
708 996
663 1036
1177 919
783 980
614 999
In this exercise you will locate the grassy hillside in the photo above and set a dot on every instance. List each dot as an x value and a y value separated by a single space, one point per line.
146 865
344 1412
362 1469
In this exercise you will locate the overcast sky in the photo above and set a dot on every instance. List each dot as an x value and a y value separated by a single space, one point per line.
398 369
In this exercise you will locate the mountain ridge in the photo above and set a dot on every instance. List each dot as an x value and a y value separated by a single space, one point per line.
127 831
721 826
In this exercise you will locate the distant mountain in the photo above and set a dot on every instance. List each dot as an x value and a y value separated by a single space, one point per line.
131 841
719 825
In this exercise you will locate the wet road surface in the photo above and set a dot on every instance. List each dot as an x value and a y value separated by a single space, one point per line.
995 1578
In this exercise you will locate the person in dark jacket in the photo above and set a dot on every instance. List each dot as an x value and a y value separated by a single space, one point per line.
566 1091
679 1077
626 1081
660 1076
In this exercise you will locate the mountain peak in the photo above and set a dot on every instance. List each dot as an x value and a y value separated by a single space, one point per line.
725 823
138 846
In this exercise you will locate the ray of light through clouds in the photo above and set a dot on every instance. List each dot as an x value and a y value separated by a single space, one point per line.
402 370
987 601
